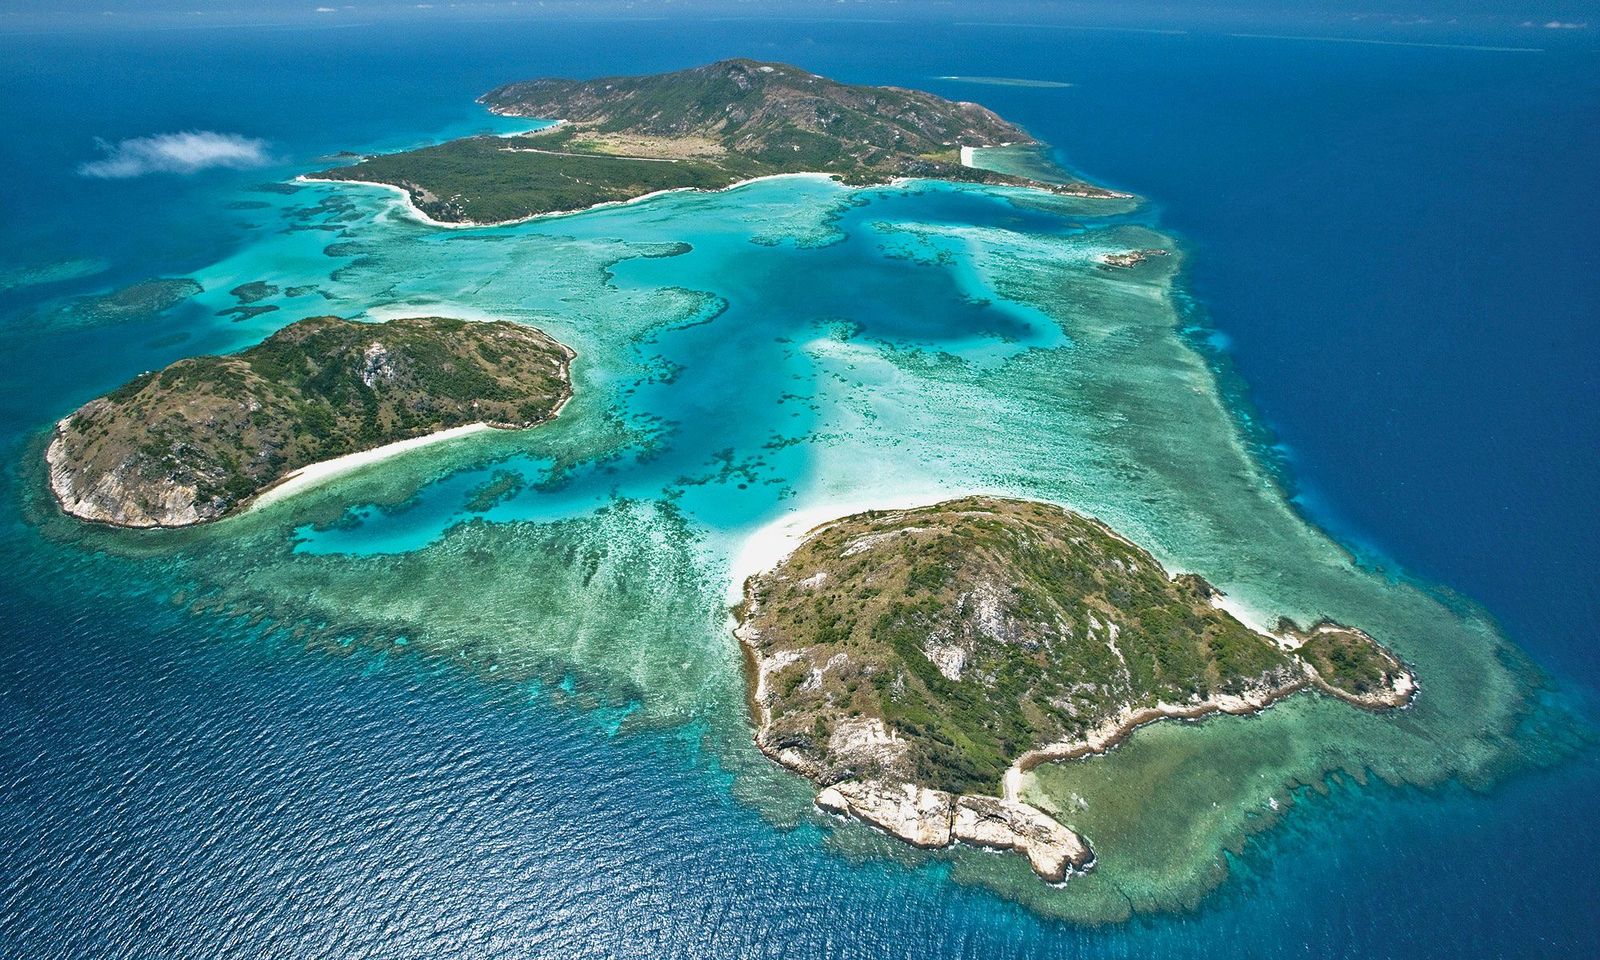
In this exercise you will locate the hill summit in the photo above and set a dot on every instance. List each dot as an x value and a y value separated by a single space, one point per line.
770 112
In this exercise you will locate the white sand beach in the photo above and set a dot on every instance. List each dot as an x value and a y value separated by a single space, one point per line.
315 473
1247 615
416 213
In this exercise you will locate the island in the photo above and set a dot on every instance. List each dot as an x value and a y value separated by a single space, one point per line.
1130 258
198 439
706 128
915 663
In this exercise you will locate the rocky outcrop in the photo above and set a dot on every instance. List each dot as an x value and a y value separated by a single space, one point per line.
1130 258
917 815
1052 849
1347 663
1398 693
932 819
109 498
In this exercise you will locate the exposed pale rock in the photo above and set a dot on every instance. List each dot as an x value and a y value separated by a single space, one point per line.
1051 848
865 741
917 815
1129 258
948 658
1022 608
376 366
989 611
931 819
106 499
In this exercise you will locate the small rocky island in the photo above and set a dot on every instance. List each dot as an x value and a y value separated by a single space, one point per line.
704 128
196 440
914 663
1130 258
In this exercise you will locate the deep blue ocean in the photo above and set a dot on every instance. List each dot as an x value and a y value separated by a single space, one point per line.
1394 247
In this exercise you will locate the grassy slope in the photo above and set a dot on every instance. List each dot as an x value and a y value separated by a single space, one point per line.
482 179
1028 593
772 113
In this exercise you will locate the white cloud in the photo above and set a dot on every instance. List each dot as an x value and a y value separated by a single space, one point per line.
1558 25
186 152
326 10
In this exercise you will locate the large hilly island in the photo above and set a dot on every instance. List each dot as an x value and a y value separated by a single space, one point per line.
195 440
913 663
704 128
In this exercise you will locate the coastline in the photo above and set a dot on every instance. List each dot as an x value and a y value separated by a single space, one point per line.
313 474
1245 614
907 816
1111 733
1369 868
417 214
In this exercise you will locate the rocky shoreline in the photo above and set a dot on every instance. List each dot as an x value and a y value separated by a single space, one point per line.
921 816
1118 729
933 819
861 754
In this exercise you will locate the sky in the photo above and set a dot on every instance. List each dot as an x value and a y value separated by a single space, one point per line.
1572 17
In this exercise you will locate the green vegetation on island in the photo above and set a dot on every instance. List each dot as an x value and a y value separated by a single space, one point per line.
193 441
908 660
704 128
1346 661
498 179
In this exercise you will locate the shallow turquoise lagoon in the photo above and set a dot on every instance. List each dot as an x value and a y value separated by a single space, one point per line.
756 361
482 698
714 342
